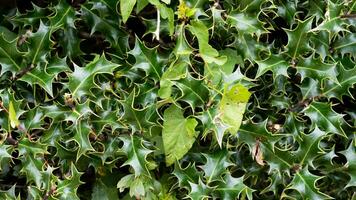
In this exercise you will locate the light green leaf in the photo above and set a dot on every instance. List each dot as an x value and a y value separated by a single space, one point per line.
233 105
178 134
208 53
13 117
126 7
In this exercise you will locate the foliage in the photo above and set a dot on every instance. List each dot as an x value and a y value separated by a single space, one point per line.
163 99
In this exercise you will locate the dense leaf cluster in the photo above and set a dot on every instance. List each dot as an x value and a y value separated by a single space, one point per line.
164 99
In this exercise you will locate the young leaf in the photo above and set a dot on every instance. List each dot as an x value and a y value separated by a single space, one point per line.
14 122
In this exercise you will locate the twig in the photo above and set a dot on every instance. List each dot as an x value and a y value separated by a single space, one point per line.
348 16
24 71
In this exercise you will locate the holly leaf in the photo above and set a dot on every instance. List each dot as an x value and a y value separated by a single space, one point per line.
81 81
5 156
346 80
99 17
192 91
349 153
40 45
64 16
199 191
10 57
346 44
216 164
40 77
298 38
147 60
67 188
233 188
245 24
30 17
10 194
63 21
186 175
28 148
139 120
310 88
333 21
136 152
317 69
304 183
276 64
81 137
325 117
309 147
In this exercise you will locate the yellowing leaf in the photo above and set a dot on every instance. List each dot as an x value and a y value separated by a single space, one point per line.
14 122
233 105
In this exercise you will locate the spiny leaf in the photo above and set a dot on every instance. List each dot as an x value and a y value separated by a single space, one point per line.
10 57
304 183
81 136
325 117
40 45
333 22
276 64
137 153
147 59
298 38
349 153
246 24
309 146
82 78
67 188
346 79
215 165
315 68
233 188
